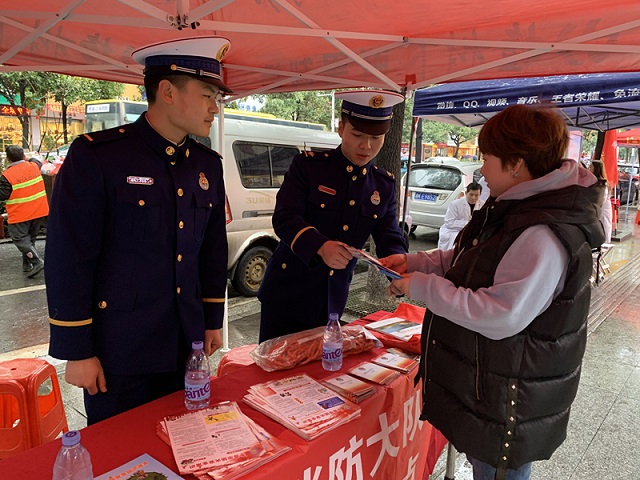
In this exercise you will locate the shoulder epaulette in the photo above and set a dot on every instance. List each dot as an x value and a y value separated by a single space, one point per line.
204 147
94 138
315 155
385 173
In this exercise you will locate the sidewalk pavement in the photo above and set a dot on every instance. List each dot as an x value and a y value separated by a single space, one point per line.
602 441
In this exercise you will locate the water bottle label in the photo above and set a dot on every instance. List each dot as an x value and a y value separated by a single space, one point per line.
197 390
331 354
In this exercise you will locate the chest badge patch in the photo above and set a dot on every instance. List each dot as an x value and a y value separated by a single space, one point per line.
140 180
375 198
328 190
203 182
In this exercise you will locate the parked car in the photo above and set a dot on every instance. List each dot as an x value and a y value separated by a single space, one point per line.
434 185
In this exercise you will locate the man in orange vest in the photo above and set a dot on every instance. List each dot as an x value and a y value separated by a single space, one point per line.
22 186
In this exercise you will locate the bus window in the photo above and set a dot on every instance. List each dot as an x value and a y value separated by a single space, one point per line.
103 114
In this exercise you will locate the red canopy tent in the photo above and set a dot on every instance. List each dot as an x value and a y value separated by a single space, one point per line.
292 45
630 138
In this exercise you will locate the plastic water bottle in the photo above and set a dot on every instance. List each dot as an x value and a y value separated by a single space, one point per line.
197 393
332 345
73 461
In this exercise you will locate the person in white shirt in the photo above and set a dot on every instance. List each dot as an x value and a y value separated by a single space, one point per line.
458 215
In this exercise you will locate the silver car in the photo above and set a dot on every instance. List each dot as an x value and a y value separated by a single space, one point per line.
434 185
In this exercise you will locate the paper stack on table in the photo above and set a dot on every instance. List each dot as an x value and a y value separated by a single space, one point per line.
301 404
350 387
396 362
218 442
396 327
374 373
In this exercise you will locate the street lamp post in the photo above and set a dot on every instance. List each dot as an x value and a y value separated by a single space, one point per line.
333 108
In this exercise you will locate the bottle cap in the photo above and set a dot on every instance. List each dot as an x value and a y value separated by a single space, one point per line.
333 316
71 438
197 345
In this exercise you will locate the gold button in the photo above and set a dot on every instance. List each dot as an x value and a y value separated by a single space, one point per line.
512 403
509 432
186 153
354 178
504 458
364 171
511 419
102 304
178 290
331 273
434 342
375 215
506 445
141 203
210 205
475 242
349 169
326 154
322 205
181 224
284 265
170 150
180 192
172 163
179 257
173 67
513 387
121 130
352 202
345 227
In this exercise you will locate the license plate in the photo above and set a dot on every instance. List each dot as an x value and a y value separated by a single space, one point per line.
429 197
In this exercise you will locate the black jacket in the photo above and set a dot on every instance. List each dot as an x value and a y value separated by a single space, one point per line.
506 402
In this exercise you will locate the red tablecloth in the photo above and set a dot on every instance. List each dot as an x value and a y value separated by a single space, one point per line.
386 442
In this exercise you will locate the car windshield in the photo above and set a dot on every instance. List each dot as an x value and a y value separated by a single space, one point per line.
435 177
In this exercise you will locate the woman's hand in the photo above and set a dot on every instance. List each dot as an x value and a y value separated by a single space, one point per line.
396 262
400 287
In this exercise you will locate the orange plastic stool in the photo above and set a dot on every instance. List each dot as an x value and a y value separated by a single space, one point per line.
42 400
15 435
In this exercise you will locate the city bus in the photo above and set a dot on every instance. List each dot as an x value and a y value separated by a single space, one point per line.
103 114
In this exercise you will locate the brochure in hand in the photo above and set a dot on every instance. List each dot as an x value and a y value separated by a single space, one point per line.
145 466
361 255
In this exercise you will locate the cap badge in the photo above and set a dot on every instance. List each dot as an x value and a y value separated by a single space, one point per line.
375 198
223 51
377 101
204 183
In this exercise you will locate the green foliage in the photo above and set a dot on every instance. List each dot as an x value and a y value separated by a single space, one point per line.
300 106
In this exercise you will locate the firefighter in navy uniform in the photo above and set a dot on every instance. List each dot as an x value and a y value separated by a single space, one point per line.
136 243
329 201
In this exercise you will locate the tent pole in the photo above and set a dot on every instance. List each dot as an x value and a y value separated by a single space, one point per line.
406 192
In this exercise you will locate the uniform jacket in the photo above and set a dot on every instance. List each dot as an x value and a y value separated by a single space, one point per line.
510 396
136 249
28 198
457 216
323 197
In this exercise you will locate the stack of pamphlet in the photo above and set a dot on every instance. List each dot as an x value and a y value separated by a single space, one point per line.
350 387
374 373
301 404
396 362
396 327
145 466
218 442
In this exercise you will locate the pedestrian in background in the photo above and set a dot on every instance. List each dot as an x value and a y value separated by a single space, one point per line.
458 215
22 186
136 241
328 201
606 211
506 323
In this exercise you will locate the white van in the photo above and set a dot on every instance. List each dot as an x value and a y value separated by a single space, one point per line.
258 151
